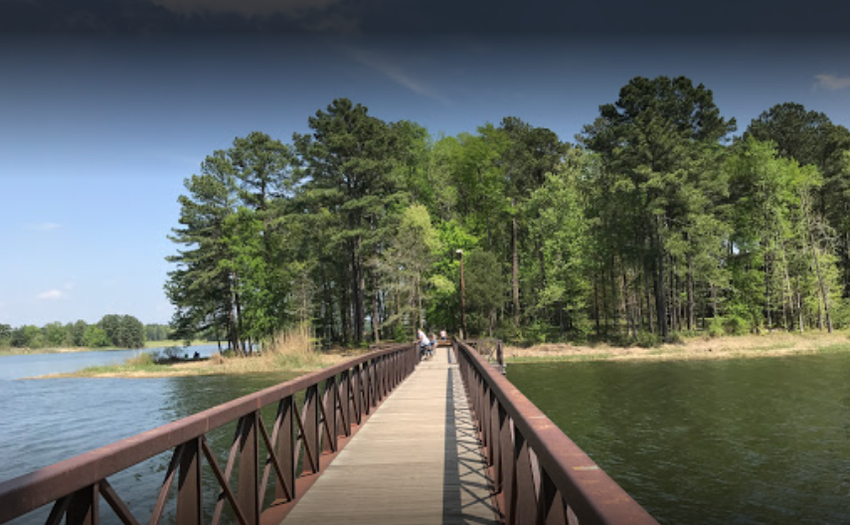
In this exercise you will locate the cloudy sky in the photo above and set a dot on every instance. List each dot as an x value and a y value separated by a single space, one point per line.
107 105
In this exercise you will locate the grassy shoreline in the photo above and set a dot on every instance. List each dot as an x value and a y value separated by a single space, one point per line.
205 367
777 344
72 349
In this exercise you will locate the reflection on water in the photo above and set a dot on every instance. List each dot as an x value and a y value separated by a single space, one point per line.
45 421
762 441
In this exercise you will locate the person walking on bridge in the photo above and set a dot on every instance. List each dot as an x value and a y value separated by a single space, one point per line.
425 343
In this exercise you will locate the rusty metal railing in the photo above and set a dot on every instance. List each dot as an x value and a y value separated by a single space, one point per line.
539 474
491 350
299 446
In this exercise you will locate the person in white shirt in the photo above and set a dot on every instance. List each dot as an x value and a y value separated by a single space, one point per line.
424 342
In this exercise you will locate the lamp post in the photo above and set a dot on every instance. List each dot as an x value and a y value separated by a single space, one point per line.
462 297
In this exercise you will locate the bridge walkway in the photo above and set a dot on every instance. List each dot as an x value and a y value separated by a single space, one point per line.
417 461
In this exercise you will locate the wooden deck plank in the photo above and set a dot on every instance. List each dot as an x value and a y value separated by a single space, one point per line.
416 461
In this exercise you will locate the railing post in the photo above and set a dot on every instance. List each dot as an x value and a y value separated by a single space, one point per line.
189 507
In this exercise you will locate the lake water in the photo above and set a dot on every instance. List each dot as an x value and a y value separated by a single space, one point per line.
760 441
45 421
763 441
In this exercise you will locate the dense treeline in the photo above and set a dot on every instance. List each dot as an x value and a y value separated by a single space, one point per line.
119 331
657 221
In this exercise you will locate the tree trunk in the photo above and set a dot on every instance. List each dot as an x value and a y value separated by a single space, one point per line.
238 315
357 310
767 292
514 264
376 316
648 304
821 285
691 310
660 294
596 304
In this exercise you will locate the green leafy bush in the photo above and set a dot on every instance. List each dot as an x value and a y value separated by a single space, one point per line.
647 340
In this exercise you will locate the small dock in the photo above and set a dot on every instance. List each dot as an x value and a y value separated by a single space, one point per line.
418 461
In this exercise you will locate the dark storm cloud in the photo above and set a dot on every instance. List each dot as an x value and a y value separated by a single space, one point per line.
418 16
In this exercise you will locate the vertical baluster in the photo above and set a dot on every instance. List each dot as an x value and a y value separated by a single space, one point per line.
248 494
286 450
84 507
189 507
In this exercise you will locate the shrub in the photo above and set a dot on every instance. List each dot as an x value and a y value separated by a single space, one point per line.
647 340
715 327
736 325
141 359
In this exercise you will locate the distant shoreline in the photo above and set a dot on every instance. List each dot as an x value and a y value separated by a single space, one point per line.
777 344
72 349
302 362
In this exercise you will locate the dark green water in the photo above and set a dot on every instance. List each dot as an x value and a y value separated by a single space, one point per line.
739 441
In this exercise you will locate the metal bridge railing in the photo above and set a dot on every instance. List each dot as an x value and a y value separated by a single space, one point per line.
491 350
539 475
299 445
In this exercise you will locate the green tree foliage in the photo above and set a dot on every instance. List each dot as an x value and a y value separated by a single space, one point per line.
5 335
485 290
559 230
55 334
811 139
653 224
232 273
157 332
122 331
74 334
354 169
659 142
95 337
404 270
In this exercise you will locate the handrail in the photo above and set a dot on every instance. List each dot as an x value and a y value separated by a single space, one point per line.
540 475
490 349
335 412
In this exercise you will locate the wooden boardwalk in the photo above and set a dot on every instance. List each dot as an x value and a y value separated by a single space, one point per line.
416 461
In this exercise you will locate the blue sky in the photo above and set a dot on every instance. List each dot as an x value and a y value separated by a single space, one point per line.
97 132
